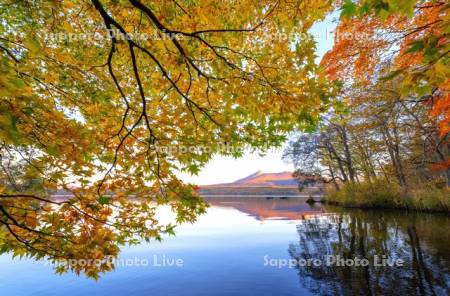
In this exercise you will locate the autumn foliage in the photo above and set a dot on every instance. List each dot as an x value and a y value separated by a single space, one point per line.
379 41
105 101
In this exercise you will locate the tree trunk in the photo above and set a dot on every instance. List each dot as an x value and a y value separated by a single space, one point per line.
336 185
394 154
333 155
347 153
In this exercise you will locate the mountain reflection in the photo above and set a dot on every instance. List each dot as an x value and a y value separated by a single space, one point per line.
270 207
420 240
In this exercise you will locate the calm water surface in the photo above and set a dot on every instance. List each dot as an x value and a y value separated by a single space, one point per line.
235 248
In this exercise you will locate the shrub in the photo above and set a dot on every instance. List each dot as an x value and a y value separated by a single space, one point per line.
381 194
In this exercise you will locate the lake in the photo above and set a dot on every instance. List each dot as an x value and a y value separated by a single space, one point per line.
267 246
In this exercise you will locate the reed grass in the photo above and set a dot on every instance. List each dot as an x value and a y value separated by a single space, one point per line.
381 194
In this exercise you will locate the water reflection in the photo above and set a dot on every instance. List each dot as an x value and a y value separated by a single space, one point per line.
269 207
420 241
223 254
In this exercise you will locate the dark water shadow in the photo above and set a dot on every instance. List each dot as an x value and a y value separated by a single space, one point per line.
421 241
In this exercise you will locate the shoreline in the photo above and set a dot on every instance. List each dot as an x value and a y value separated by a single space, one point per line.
402 208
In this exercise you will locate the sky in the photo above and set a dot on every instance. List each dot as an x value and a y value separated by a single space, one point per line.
221 169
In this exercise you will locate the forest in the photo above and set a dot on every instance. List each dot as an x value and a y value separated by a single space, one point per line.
91 91
387 142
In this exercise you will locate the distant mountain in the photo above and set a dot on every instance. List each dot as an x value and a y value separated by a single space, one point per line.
259 179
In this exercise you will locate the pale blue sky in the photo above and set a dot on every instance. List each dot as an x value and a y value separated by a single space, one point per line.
221 169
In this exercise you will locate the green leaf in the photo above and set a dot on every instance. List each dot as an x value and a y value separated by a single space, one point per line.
17 82
391 75
415 46
32 45
13 121
364 9
170 229
348 9
28 111
13 131
53 151
383 14
104 200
